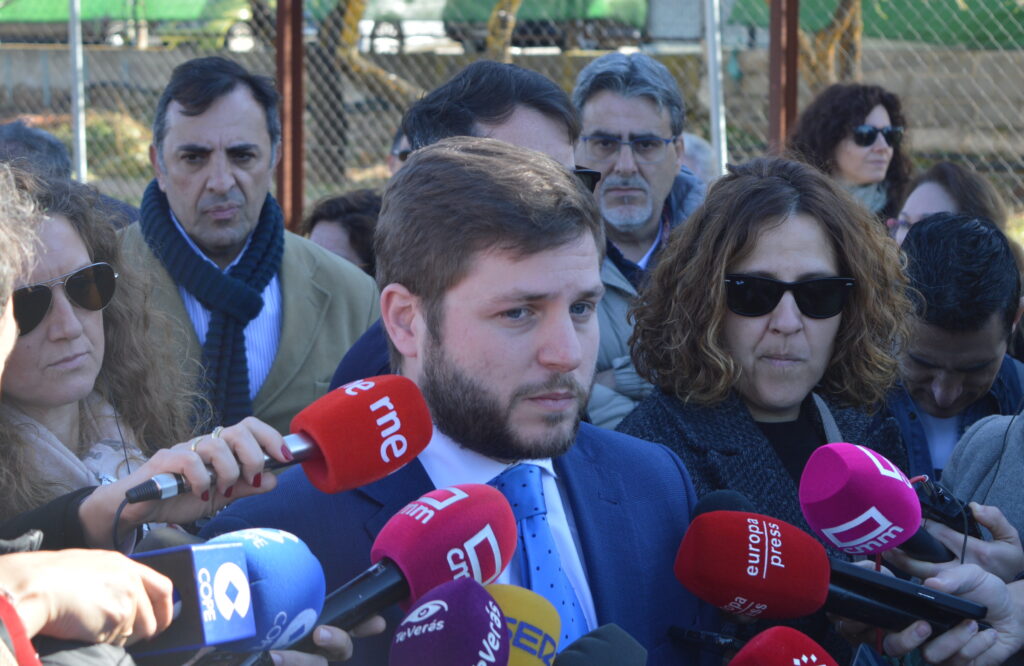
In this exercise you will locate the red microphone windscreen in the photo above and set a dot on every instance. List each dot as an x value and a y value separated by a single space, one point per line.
857 500
462 531
782 646
753 565
365 430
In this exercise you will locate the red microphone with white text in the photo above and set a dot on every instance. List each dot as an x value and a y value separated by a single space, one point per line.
464 531
782 646
354 435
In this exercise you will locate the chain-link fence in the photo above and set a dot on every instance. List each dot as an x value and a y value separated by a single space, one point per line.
958 65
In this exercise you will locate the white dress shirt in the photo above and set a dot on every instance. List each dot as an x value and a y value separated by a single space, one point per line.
262 333
448 464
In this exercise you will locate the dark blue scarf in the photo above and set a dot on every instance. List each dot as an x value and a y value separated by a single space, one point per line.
233 298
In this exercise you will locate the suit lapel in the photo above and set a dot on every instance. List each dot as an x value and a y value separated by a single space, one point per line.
304 304
596 494
393 492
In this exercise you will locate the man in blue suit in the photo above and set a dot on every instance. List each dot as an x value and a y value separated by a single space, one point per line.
489 261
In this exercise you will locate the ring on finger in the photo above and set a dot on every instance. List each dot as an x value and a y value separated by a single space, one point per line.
216 432
194 443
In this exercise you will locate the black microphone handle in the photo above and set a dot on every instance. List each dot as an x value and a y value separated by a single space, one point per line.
923 546
362 597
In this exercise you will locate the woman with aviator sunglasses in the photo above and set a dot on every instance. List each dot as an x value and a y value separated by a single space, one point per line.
768 330
854 133
90 391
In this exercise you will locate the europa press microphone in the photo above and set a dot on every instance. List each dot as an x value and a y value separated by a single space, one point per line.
858 501
756 566
457 622
463 531
331 438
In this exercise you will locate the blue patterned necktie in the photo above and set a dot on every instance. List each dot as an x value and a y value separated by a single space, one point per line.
537 554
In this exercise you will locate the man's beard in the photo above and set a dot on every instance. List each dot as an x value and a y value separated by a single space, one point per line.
631 216
472 416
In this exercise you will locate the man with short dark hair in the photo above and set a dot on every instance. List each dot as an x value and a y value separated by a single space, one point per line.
487 99
265 312
633 116
954 369
489 262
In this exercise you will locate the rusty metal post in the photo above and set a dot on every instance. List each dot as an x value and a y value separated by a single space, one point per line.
783 72
291 169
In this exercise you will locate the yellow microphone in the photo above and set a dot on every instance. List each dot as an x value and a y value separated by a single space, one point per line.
533 625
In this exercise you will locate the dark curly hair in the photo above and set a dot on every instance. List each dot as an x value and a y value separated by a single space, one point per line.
677 342
831 117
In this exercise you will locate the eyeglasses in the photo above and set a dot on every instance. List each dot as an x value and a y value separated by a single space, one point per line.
819 298
90 288
865 135
646 149
588 177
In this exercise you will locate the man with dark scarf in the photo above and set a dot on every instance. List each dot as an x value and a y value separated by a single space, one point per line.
266 313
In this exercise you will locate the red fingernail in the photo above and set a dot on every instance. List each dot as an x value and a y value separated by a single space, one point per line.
257 481
206 496
287 453
227 493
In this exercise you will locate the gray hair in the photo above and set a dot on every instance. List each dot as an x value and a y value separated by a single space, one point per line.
18 219
697 155
633 75
34 150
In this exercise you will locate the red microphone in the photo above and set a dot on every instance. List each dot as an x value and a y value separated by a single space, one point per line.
354 435
464 531
752 565
782 646
857 500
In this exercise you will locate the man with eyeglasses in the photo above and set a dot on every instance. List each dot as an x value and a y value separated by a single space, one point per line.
264 312
633 116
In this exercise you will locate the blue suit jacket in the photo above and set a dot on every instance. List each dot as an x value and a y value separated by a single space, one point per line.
631 501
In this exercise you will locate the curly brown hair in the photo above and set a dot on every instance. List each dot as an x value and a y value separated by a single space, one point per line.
150 391
831 117
677 339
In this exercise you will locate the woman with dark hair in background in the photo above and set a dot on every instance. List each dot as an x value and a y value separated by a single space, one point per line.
950 188
854 133
344 225
768 329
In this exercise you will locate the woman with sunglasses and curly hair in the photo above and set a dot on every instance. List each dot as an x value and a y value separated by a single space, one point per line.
90 390
768 330
854 133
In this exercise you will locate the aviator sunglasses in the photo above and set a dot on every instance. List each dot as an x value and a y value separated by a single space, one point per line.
819 298
865 135
90 288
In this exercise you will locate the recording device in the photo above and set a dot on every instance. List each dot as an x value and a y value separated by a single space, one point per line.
858 501
762 567
782 646
534 625
288 588
212 597
464 531
940 505
457 622
608 645
354 435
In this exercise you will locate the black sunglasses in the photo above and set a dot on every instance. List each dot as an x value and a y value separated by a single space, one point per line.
865 135
90 288
588 177
819 298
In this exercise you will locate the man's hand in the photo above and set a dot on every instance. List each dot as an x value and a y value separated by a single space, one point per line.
1003 556
334 643
964 644
93 596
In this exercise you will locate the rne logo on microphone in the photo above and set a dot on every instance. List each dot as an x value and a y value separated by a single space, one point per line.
231 592
465 561
885 466
867 533
424 508
395 444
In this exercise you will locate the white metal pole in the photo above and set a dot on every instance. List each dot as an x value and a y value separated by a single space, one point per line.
77 89
713 44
